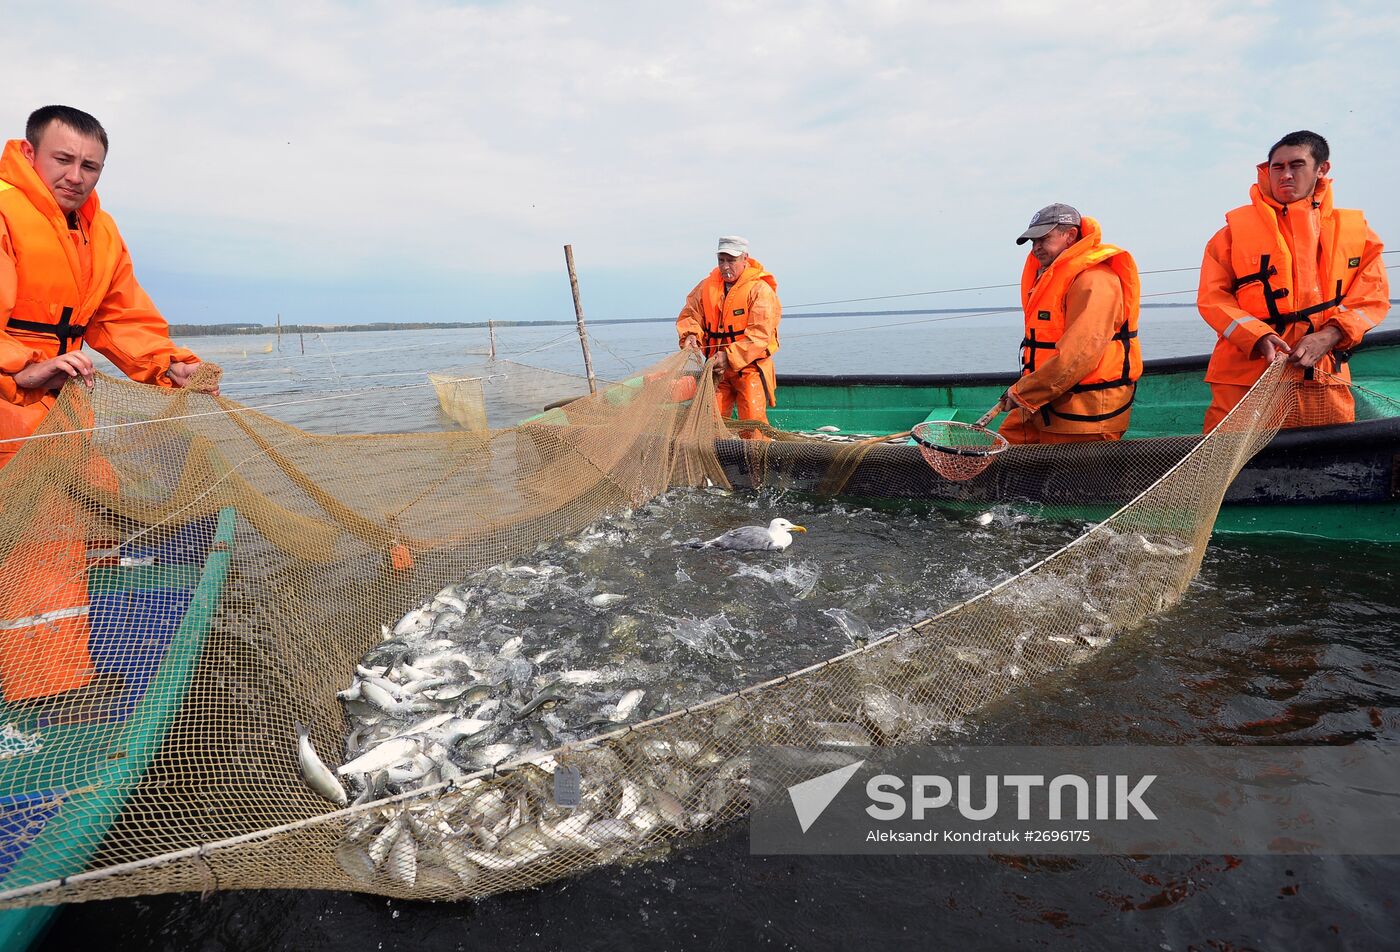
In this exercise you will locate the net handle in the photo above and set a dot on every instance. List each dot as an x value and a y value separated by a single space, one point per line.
986 418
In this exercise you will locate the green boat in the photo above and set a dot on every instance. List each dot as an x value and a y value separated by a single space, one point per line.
66 772
1338 482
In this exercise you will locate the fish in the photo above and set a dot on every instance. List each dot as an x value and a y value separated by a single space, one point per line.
671 810
450 602
492 755
314 771
626 705
415 622
410 770
384 840
511 648
402 866
606 599
456 729
579 677
631 799
550 695
379 696
381 756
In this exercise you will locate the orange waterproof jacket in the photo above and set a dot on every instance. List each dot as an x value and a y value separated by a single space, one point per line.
1080 358
744 322
1289 270
60 287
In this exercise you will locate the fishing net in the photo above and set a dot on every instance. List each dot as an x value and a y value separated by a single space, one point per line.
186 579
957 451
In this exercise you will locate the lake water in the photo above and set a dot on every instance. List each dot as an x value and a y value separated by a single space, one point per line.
1277 642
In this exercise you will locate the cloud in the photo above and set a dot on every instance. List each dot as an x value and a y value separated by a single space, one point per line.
864 148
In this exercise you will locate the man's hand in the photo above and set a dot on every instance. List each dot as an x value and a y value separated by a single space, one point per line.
1316 346
56 371
721 362
1270 346
690 341
180 374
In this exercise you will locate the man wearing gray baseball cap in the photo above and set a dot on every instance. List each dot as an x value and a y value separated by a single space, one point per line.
732 316
1080 358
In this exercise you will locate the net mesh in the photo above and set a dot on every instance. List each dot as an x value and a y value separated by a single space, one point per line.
226 572
957 451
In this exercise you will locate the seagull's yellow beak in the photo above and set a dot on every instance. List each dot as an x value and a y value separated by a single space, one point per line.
796 529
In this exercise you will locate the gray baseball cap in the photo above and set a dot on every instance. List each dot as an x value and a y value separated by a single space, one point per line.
1046 219
733 245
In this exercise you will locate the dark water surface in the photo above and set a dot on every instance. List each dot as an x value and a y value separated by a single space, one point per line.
1277 641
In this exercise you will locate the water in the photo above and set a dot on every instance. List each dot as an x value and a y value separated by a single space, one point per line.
256 372
1277 641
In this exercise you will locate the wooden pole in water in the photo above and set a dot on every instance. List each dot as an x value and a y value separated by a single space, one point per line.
491 326
279 331
578 312
301 336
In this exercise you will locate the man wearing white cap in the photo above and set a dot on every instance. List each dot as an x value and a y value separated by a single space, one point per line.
1080 358
732 316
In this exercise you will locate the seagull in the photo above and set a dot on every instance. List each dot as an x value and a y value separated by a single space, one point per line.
776 536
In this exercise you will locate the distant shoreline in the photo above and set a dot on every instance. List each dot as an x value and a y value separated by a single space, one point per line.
217 330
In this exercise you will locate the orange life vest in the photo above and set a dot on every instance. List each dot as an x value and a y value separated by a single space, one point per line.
725 318
1044 304
51 307
1263 266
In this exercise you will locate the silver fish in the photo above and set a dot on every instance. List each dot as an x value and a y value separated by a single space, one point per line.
384 755
606 599
458 728
627 704
415 622
314 771
402 866
384 840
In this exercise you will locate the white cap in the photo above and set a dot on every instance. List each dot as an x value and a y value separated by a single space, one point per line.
733 245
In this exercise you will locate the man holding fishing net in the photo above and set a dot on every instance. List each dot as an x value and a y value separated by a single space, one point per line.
732 316
1080 359
1290 274
66 277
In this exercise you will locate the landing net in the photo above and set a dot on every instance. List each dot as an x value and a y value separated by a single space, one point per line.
214 577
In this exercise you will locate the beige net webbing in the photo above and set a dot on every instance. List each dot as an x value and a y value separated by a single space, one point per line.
337 536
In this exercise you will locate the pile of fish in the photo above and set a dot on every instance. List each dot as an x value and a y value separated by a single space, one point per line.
520 660
448 844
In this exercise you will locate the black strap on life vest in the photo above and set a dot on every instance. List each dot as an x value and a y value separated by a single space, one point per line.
1123 336
728 336
1046 412
1277 319
63 330
1031 345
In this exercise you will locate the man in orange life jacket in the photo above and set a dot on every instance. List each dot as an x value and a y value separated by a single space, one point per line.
1290 274
1080 358
732 316
66 277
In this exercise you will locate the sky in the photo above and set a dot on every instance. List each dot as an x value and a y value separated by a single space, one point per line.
421 160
